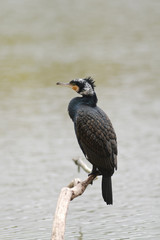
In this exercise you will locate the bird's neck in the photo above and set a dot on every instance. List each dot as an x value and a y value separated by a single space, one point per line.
77 102
89 100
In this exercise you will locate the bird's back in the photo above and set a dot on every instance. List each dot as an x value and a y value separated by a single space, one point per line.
97 138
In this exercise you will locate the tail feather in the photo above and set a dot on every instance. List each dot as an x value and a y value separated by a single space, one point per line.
107 189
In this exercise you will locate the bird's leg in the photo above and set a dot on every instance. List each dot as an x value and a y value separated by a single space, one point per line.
95 171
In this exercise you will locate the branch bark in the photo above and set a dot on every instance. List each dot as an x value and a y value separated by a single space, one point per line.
73 190
81 164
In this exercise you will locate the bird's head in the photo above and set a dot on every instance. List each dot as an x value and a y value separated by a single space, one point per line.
84 86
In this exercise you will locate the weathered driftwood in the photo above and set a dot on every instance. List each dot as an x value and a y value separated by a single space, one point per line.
73 190
79 162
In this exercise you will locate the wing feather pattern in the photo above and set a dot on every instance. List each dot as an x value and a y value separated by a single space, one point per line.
97 138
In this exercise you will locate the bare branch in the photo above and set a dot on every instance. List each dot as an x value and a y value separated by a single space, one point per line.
60 214
74 183
81 186
81 164
74 189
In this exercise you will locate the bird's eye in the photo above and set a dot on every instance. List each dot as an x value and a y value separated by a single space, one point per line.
72 83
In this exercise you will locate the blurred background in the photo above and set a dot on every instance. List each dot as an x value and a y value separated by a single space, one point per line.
42 42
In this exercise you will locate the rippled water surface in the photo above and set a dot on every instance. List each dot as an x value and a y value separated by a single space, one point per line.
42 42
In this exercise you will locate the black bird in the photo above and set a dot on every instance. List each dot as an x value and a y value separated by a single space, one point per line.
95 133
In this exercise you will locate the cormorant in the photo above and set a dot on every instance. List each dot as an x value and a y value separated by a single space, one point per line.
95 133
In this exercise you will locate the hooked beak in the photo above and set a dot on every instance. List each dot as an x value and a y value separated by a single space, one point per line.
63 84
74 87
